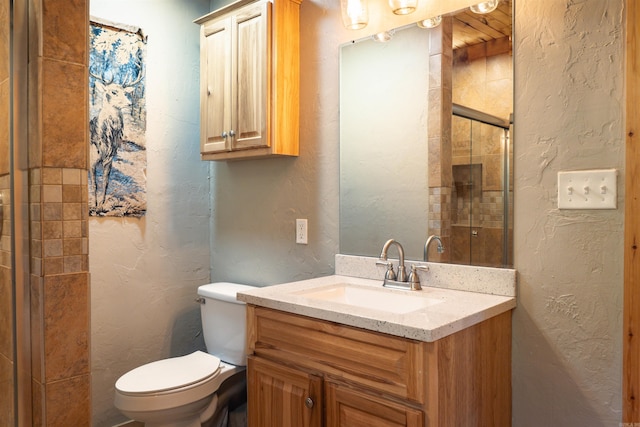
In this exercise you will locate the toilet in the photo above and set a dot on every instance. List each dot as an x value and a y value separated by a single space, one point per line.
194 390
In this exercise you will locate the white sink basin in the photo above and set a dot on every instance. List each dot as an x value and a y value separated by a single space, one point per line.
371 298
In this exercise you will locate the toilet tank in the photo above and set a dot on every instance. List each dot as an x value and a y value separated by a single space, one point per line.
224 321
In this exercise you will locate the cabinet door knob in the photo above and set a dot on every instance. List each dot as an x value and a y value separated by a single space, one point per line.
308 402
224 135
232 133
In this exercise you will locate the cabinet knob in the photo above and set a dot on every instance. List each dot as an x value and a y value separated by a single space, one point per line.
224 135
232 133
208 91
308 402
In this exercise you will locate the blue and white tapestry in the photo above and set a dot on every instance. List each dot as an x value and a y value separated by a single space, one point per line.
118 122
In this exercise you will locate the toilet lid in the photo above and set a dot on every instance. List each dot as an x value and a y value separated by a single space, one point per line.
223 291
169 374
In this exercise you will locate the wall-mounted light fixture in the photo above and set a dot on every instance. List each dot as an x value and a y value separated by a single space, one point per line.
355 14
403 7
383 36
485 6
431 22
379 15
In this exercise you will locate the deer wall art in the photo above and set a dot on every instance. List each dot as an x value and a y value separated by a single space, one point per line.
117 125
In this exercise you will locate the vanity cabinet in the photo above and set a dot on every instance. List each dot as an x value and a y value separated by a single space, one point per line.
283 396
310 372
249 80
348 407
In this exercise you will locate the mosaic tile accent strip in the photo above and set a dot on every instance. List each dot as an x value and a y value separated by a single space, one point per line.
5 218
59 221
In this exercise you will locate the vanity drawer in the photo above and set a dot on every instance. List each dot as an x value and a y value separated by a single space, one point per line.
391 365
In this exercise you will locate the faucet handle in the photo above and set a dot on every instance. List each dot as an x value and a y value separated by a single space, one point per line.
389 274
414 280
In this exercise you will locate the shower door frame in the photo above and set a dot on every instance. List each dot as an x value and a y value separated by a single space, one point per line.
20 212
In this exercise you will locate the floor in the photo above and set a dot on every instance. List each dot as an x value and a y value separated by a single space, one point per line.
236 418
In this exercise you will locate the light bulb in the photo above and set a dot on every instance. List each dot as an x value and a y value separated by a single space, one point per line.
485 7
431 22
383 37
355 14
403 7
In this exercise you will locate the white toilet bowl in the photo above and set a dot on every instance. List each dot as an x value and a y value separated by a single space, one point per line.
193 390
175 392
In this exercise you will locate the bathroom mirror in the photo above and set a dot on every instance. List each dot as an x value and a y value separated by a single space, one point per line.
384 155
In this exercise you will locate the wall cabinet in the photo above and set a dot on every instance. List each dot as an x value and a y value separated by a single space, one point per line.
249 80
310 372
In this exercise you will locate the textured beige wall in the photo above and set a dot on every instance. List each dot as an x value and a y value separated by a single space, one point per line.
256 202
567 332
145 271
567 327
568 112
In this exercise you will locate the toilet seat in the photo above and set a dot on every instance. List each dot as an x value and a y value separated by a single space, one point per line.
169 375
132 395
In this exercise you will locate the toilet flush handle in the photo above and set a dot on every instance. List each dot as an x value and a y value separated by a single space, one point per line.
200 300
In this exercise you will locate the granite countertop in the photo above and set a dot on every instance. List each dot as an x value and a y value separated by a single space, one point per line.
450 310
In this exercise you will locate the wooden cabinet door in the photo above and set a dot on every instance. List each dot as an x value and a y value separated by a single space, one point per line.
215 85
251 45
278 396
346 407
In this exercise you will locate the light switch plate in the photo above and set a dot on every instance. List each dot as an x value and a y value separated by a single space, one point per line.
588 189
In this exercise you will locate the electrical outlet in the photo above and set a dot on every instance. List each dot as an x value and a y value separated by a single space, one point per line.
301 231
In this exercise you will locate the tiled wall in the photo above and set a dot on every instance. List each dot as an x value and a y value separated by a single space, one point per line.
440 220
466 195
58 147
492 209
439 134
6 306
58 221
484 83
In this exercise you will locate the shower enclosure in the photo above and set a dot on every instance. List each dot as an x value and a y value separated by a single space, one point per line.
15 391
482 194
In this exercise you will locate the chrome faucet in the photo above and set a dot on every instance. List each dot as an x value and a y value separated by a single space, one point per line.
402 272
431 238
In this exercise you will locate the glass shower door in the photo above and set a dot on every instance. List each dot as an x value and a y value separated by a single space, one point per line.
481 191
